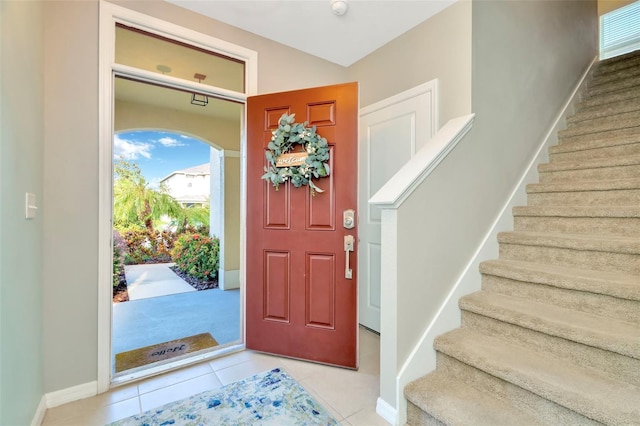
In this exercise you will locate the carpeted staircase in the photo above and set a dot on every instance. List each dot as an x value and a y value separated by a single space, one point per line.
553 338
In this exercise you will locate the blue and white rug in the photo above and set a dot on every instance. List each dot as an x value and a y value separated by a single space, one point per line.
270 398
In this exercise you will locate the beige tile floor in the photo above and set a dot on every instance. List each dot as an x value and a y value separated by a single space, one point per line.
349 395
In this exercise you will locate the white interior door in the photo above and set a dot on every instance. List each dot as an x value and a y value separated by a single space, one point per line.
391 131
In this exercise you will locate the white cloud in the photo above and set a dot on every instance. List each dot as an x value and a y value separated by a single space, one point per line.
169 142
129 150
185 137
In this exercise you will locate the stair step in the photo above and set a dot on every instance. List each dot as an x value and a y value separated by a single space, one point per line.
603 124
608 220
606 110
623 167
584 391
614 86
557 291
584 193
619 367
608 98
582 135
614 284
620 74
617 62
600 253
599 148
593 330
442 397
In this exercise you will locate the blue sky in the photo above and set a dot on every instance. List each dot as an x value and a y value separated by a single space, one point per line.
159 153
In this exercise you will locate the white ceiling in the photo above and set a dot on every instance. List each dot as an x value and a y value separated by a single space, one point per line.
312 27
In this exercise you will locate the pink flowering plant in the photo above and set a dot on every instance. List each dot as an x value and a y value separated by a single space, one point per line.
197 255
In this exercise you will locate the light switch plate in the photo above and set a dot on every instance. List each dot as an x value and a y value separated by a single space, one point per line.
30 205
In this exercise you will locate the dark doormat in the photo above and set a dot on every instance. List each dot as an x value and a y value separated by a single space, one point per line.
162 351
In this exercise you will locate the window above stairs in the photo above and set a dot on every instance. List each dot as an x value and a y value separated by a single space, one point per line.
620 31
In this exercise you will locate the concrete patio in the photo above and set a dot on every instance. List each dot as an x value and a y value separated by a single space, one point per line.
164 309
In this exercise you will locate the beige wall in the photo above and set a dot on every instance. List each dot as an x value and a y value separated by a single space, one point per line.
71 165
605 6
274 60
21 257
438 48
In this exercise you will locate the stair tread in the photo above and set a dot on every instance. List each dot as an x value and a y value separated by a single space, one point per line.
590 329
593 144
441 395
578 211
615 85
585 391
584 185
594 163
586 242
616 284
605 110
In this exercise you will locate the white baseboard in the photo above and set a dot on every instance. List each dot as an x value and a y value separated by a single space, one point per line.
228 279
38 417
71 394
422 358
386 411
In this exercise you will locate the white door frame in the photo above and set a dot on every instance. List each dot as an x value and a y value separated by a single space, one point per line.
111 14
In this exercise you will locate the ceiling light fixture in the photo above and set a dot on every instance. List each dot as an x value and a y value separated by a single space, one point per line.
196 98
339 7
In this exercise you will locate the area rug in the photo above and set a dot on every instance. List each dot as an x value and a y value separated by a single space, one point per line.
160 352
272 398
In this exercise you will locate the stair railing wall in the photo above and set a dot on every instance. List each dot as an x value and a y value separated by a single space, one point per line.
422 253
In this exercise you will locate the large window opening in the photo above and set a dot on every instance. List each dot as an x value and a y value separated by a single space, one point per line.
620 31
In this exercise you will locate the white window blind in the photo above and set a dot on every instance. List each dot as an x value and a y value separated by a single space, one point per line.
620 31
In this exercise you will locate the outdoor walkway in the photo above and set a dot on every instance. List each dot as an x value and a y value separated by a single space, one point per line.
155 315
153 280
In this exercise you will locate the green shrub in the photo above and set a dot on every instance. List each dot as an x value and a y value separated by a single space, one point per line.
144 246
197 255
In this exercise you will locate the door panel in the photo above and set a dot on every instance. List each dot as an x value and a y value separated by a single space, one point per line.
299 303
389 136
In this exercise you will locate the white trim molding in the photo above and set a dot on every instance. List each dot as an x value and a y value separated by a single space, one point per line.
71 394
110 14
386 411
41 410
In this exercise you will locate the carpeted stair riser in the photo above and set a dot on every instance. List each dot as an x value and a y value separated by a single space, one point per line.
418 417
606 110
585 198
616 64
580 327
440 391
597 260
601 125
623 368
607 99
586 150
593 303
614 284
549 380
609 77
613 86
546 411
572 135
625 226
599 173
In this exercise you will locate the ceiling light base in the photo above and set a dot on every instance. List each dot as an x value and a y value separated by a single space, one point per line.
339 7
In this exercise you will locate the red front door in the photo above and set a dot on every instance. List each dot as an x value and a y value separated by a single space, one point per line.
299 302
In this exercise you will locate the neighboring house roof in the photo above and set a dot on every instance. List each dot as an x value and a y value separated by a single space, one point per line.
202 169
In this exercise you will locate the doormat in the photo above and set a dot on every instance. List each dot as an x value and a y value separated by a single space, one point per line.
270 398
162 351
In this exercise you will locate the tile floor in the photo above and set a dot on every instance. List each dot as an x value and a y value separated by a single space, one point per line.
349 395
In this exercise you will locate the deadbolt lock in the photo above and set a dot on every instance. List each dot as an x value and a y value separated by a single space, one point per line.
349 218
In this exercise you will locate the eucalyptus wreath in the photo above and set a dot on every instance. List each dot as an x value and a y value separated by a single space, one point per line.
285 139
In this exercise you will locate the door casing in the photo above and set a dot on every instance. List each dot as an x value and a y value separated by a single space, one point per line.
111 14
